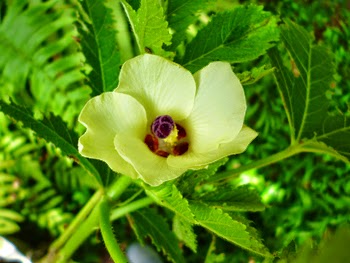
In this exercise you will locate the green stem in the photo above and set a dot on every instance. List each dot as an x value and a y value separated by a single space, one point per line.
77 221
118 187
122 211
86 222
290 151
107 233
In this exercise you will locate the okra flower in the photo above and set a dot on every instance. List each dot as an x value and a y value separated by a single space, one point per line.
161 120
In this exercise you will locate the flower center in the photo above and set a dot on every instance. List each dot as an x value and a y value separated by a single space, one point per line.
167 137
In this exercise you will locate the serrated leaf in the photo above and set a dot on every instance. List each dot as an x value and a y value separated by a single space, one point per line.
147 223
242 198
303 89
225 227
52 129
192 178
181 14
252 76
149 26
100 46
234 36
169 196
184 232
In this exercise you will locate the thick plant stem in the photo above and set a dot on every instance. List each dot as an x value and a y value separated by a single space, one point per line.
290 151
107 233
118 187
77 221
86 222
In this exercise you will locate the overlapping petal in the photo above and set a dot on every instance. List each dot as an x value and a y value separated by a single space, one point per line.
105 116
160 85
218 113
194 160
151 168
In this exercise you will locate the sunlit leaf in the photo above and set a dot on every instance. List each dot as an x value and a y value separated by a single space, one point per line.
149 26
227 228
234 36
184 231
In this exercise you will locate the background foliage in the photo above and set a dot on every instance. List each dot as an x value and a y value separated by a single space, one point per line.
306 196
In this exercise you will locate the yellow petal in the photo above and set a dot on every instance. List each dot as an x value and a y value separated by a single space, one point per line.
105 116
161 86
151 168
219 108
194 160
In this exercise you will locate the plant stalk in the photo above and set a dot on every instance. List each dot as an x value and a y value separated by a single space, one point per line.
288 152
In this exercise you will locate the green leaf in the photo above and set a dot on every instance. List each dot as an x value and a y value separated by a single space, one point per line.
149 26
184 232
100 48
52 129
181 14
242 198
252 76
303 89
169 196
147 223
234 36
225 227
187 182
39 63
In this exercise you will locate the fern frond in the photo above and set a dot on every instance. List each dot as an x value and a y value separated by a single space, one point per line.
40 63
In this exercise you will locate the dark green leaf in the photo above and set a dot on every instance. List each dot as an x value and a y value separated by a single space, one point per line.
100 47
52 129
191 179
242 198
303 89
227 228
147 223
234 36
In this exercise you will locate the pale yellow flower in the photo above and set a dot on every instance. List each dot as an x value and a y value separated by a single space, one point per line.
161 120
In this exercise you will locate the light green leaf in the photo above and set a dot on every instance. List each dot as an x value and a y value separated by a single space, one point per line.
39 63
303 89
242 198
225 227
252 76
234 36
53 130
184 232
99 45
147 223
169 196
181 14
149 26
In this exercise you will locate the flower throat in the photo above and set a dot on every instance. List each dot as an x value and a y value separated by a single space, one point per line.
167 137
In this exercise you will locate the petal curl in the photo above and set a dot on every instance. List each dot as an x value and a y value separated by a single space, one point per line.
161 86
105 116
219 108
151 168
194 160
